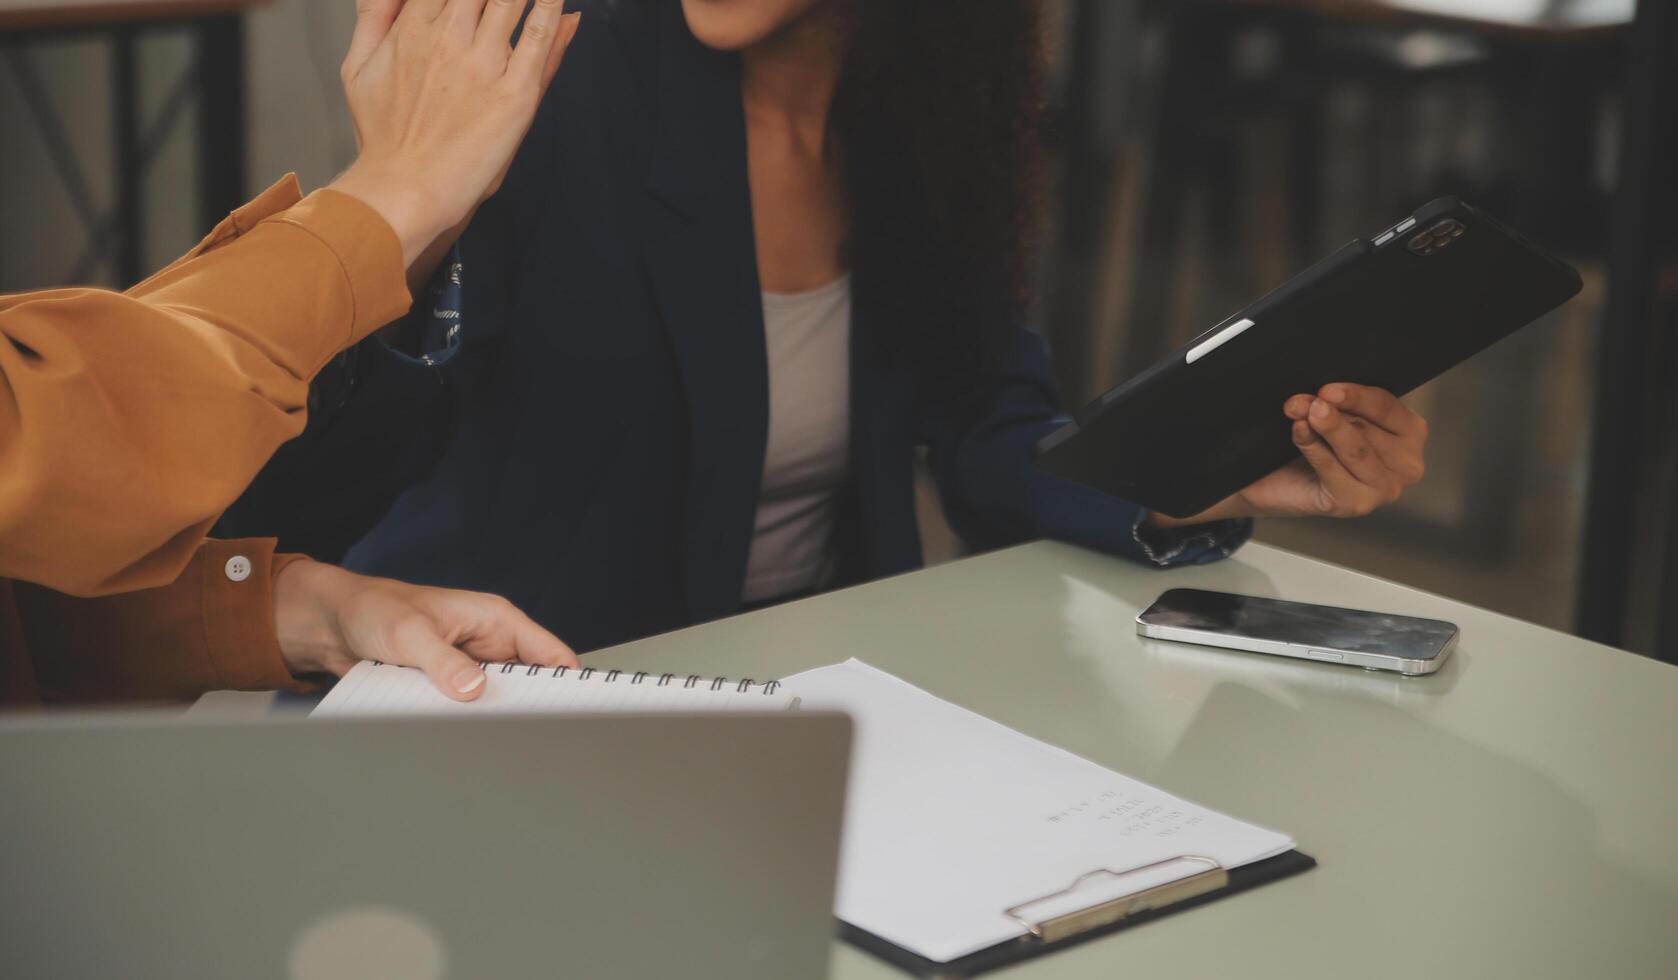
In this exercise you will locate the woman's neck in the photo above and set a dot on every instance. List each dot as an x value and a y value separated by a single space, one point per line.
787 80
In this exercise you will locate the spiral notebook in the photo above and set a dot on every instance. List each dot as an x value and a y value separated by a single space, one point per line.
373 688
967 845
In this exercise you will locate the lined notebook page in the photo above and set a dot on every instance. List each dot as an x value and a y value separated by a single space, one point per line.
372 688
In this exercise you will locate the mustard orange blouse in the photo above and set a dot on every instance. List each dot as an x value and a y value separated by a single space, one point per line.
129 421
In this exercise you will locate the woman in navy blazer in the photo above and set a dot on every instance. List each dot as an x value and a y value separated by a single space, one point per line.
584 432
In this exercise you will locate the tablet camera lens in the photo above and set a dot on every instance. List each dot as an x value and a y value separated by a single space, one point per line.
1446 232
1437 237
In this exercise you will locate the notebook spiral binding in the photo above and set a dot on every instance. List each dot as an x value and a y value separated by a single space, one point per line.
690 682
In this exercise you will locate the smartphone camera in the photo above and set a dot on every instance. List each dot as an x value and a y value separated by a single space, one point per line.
1437 237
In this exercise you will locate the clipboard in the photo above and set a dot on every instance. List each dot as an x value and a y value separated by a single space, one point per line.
1048 933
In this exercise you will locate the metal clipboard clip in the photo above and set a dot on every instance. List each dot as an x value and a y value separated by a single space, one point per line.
1055 926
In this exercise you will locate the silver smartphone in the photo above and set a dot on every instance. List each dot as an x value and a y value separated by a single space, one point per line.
1372 640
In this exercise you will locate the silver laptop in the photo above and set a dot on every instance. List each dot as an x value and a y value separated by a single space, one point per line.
582 846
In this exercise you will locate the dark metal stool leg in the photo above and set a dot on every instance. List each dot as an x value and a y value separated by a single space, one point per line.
1643 208
221 142
129 171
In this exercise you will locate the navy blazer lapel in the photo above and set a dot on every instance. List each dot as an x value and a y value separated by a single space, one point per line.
701 256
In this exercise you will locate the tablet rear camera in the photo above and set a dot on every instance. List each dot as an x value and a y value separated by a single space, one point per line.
1437 237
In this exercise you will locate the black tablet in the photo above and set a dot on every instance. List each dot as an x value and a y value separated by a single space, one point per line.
1392 312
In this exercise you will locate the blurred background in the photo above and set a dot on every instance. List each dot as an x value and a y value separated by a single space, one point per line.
1202 151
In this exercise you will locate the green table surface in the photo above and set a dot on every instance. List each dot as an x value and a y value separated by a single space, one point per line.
1514 815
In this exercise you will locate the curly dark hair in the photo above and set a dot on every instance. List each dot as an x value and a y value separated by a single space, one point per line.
936 114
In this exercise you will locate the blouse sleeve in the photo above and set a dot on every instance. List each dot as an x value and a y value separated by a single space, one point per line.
129 421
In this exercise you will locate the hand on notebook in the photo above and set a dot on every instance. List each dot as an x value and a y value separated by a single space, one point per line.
440 102
328 619
1360 449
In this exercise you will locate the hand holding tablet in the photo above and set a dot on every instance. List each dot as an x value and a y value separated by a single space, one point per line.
1290 406
1360 449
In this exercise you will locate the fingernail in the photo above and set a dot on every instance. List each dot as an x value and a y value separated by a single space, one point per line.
1319 410
469 679
1335 394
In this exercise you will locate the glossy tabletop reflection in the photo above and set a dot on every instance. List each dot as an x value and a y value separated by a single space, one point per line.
1514 815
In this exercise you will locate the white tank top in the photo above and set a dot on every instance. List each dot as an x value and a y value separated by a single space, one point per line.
807 460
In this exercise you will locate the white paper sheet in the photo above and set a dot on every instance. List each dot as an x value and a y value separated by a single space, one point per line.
952 818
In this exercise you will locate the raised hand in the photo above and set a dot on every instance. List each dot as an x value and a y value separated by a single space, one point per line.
441 99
